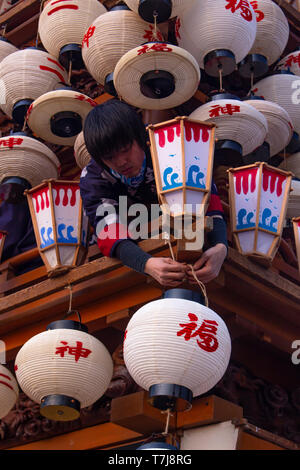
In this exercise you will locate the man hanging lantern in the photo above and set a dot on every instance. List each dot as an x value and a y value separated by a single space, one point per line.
218 34
58 116
240 127
60 226
156 76
9 391
158 10
81 153
64 369
290 63
272 35
25 75
62 27
109 37
296 225
176 348
258 202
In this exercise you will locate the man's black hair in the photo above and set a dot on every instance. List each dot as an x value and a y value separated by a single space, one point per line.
111 127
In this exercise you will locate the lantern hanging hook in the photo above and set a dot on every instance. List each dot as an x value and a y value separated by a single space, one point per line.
70 72
168 413
70 310
220 67
155 16
3 30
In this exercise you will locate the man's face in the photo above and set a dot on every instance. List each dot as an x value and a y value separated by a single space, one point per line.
127 161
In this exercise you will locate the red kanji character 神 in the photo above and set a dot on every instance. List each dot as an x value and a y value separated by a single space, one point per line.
206 333
78 351
151 36
293 59
216 110
90 33
259 14
11 142
242 5
188 328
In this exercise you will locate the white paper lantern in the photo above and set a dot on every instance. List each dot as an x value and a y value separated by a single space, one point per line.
237 122
291 63
218 33
63 369
6 48
62 27
272 35
163 9
156 76
292 163
280 129
284 90
81 153
9 391
109 37
178 345
24 76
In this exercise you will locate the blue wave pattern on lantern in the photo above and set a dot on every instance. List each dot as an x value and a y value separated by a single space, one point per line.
264 224
170 183
244 219
68 238
193 181
46 241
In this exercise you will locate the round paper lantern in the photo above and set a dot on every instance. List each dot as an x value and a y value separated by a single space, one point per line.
63 25
156 76
291 63
109 38
272 35
218 34
64 369
27 159
24 76
280 129
292 163
240 127
9 391
6 48
58 116
81 153
283 89
161 9
176 348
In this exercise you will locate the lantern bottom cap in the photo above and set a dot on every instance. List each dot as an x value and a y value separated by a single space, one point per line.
66 124
294 144
229 153
149 8
71 53
157 84
109 86
254 65
219 60
20 109
60 408
170 396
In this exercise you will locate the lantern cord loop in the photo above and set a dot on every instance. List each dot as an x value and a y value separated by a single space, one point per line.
37 33
168 412
25 124
155 25
221 78
70 72
4 30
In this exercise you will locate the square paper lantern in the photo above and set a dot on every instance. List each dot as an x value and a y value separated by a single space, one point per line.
61 228
296 224
2 241
182 153
258 202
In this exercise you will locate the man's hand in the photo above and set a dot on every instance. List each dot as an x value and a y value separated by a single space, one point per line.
208 266
167 272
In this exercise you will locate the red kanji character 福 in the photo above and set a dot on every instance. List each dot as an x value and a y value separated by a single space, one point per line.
206 333
11 142
90 32
188 328
78 351
157 47
259 14
242 5
216 110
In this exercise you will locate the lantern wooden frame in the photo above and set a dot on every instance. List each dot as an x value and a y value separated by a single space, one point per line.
296 226
81 249
3 235
255 254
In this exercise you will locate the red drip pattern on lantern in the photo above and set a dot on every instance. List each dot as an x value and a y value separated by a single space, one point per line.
242 180
206 332
77 351
259 14
299 223
243 5
293 59
196 128
65 198
156 47
63 7
228 109
5 383
272 181
50 69
85 98
43 193
170 131
150 34
89 34
11 142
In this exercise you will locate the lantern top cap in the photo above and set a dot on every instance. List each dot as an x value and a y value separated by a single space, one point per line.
261 164
67 325
184 294
178 119
49 181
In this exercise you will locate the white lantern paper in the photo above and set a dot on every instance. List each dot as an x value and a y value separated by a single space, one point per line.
296 225
292 163
6 5
293 206
258 202
222 25
168 8
236 121
81 153
63 366
272 35
6 48
284 90
60 225
182 154
2 242
9 391
291 63
174 341
62 26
